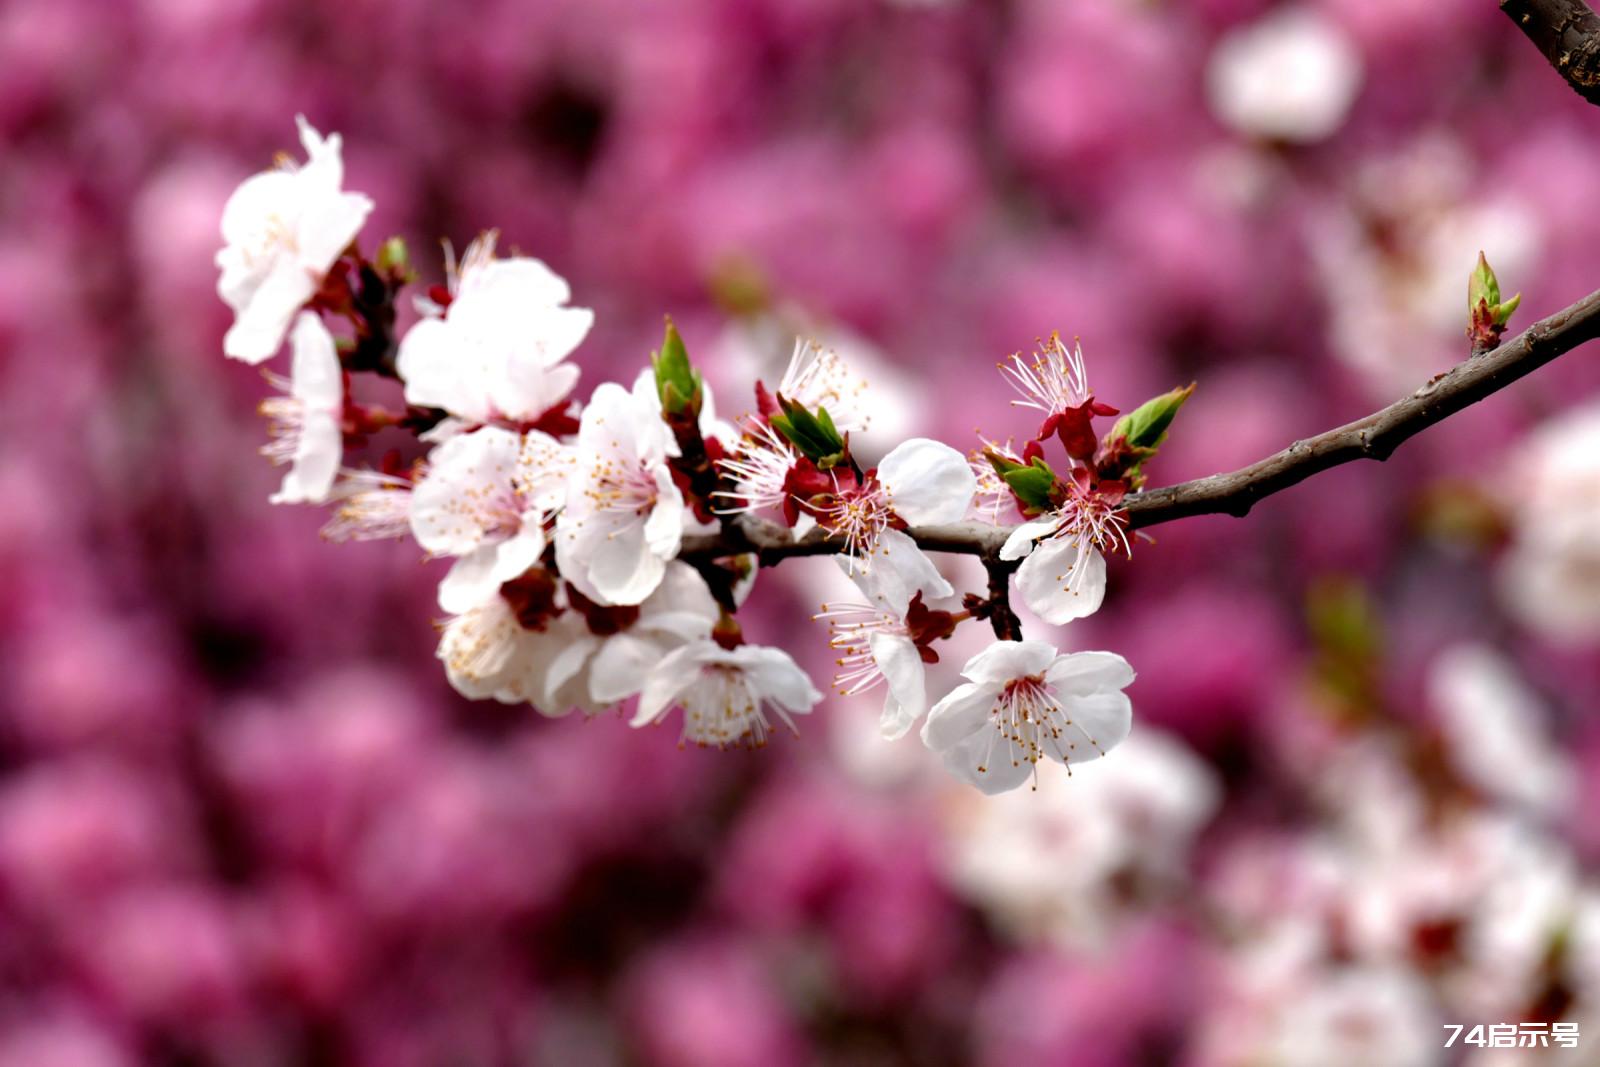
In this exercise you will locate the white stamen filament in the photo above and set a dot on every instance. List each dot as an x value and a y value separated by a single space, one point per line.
850 630
1031 724
720 709
1051 381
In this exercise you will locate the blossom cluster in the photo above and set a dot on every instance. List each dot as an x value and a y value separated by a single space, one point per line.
564 521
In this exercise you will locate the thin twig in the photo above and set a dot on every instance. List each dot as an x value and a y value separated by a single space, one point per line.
1374 437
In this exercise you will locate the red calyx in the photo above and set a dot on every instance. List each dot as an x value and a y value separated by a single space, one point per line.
805 484
1074 427
532 598
557 421
766 404
926 625
602 620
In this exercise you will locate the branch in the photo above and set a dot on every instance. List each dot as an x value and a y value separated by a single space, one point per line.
1374 437
1568 33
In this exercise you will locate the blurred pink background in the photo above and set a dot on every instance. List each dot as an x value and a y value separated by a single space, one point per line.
244 821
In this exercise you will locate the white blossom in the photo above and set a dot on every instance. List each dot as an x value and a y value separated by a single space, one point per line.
306 425
920 482
726 694
1550 577
1025 702
874 645
818 378
498 351
1063 571
624 516
281 231
488 652
1291 76
484 500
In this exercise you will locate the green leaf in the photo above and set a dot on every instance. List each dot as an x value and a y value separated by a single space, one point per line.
814 435
677 382
1502 312
1033 484
1483 285
1145 427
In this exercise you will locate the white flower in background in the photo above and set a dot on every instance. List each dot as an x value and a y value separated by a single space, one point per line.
1493 722
1550 578
373 506
485 499
921 482
610 660
497 351
874 643
1025 702
818 378
281 231
306 425
725 694
1373 1016
1290 76
1068 862
1063 571
624 517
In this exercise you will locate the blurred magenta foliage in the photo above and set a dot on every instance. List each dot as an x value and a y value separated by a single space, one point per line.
243 820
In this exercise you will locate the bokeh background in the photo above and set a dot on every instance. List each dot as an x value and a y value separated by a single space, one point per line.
244 821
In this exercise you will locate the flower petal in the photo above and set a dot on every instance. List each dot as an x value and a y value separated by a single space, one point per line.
1020 543
963 712
619 669
1046 582
676 671
906 681
470 581
1006 661
988 762
897 572
1095 725
927 481
1082 673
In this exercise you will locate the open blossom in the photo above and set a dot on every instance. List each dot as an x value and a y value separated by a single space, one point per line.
761 468
725 693
512 645
281 230
1055 383
994 499
306 425
485 499
1063 571
1025 702
818 378
884 641
497 351
624 516
610 658
919 483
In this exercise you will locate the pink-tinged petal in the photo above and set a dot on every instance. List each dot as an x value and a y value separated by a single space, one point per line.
462 497
1020 543
1006 661
963 712
677 670
619 669
988 762
1095 725
1082 673
1046 583
906 681
928 482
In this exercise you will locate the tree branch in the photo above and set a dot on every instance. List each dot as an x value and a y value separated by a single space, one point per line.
1568 33
1373 437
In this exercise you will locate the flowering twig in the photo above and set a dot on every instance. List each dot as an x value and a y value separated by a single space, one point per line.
1374 437
1568 33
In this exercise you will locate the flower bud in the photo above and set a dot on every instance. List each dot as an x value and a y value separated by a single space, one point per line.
1487 314
677 382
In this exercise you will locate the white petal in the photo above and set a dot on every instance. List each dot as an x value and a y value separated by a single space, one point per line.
1097 724
897 572
928 482
623 570
618 670
677 670
906 681
447 512
470 581
1082 673
327 226
988 762
427 362
1020 543
778 678
563 668
316 377
1006 661
963 712
1043 582
265 314
515 555
663 530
